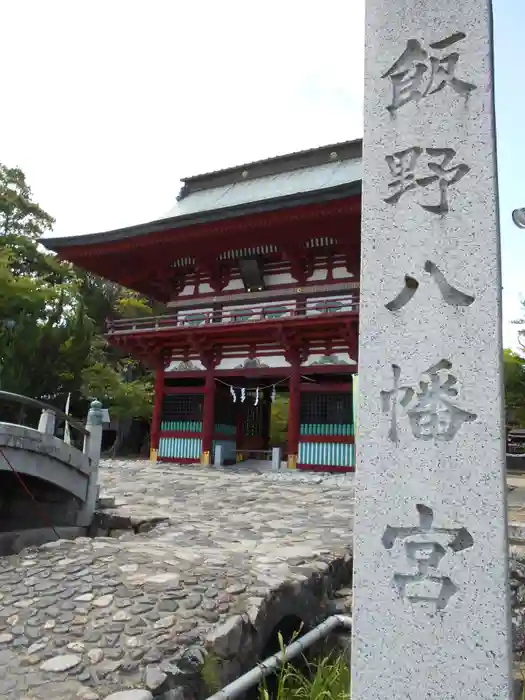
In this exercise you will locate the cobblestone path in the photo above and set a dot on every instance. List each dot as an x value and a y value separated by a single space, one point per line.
229 552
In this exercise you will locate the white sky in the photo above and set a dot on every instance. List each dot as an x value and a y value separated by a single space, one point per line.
111 103
106 104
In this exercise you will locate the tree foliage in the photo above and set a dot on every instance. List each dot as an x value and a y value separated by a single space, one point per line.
521 331
19 214
514 372
279 420
52 319
514 368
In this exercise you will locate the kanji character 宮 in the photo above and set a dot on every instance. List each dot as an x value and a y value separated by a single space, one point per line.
425 548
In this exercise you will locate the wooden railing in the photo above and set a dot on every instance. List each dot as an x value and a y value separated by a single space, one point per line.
268 312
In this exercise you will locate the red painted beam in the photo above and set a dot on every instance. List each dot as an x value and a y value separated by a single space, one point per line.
188 434
342 439
339 388
271 372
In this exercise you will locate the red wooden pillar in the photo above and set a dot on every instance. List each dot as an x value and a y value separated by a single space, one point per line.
157 410
294 410
208 417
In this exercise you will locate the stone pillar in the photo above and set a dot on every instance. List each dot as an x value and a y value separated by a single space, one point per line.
294 410
277 455
46 424
156 417
217 457
431 612
92 448
208 417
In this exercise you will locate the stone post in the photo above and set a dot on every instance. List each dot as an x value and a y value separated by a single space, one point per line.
92 448
217 457
46 424
277 455
431 611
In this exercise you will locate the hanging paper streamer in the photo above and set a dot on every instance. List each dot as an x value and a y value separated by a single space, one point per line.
257 398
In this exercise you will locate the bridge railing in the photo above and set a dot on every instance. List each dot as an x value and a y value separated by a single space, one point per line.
10 397
91 432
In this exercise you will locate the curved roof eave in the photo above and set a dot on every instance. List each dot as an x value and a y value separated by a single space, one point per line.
183 220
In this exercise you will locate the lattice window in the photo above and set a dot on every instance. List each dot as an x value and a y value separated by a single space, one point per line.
182 407
319 409
253 420
225 409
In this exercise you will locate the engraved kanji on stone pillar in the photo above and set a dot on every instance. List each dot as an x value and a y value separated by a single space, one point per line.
430 614
418 72
431 412
403 166
425 546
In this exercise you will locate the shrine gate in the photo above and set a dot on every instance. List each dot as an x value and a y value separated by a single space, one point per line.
258 269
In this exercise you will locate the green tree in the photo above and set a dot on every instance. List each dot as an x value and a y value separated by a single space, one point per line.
20 297
53 318
514 373
521 330
123 384
44 332
19 214
44 341
279 420
123 387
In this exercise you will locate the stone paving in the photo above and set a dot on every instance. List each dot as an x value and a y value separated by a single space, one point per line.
215 558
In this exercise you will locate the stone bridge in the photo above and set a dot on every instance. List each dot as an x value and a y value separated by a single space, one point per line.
62 478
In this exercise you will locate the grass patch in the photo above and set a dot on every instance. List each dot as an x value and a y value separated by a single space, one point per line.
210 673
325 678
